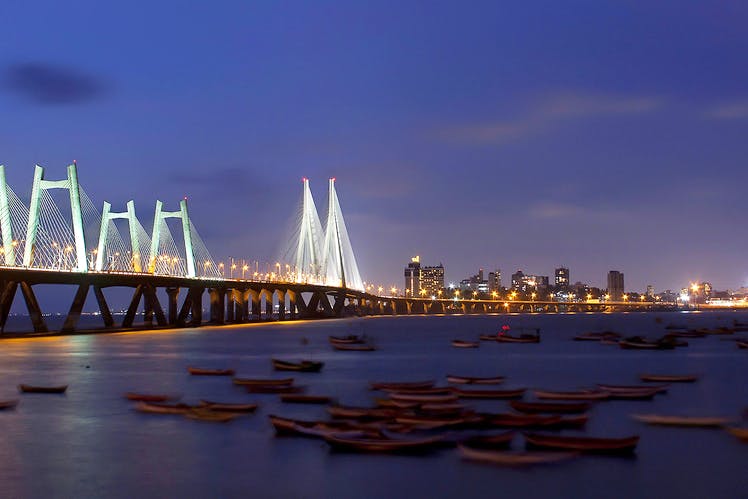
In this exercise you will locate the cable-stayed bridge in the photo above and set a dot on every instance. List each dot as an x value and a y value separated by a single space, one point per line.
94 249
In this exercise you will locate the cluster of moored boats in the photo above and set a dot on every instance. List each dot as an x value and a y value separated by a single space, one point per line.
504 335
676 336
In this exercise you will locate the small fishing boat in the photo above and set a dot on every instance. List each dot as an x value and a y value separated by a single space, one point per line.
352 412
162 408
423 398
42 389
429 423
471 380
317 429
660 419
741 433
488 337
575 395
742 344
669 378
522 338
490 394
198 371
8 404
465 344
275 388
395 404
433 409
685 334
305 399
227 406
263 381
717 330
640 343
436 390
628 388
208 415
506 458
148 397
369 444
354 347
397 385
582 444
552 407
510 420
597 336
303 366
497 441
350 339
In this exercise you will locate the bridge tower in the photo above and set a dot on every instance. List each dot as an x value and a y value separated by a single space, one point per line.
308 255
160 218
339 262
71 184
5 225
106 216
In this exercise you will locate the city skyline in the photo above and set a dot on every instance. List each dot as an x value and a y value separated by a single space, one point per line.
612 141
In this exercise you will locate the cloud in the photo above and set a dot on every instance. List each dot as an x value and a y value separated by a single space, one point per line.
548 112
729 111
554 210
47 84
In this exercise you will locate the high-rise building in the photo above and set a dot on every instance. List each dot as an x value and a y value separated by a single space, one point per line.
413 276
561 279
518 279
432 280
494 280
650 291
615 285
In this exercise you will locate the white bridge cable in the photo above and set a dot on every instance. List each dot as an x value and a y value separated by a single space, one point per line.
302 241
168 259
117 252
337 252
19 216
204 264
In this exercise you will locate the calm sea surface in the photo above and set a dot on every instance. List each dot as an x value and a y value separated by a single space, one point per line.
91 443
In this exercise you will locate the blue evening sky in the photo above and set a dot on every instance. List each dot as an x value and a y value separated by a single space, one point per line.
532 134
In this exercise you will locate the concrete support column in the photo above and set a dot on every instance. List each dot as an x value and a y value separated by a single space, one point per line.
173 294
197 306
217 305
230 305
281 304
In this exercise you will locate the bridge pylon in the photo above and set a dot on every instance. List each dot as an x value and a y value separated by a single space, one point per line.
159 219
308 258
40 185
9 251
132 221
339 262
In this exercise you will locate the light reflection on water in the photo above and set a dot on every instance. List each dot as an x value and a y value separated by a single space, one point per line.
91 443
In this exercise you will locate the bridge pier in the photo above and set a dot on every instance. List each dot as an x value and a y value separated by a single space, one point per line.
281 304
75 309
230 305
217 305
173 294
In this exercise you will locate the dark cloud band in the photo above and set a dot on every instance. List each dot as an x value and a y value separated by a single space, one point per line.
51 85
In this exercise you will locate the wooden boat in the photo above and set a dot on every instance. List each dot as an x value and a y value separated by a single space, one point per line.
305 399
634 394
275 388
498 441
742 344
471 380
198 371
364 444
351 347
685 334
395 404
669 378
423 398
339 411
576 395
262 381
227 407
490 394
401 385
148 397
741 433
465 344
208 415
717 330
510 420
488 337
436 390
582 444
287 426
429 423
309 366
552 407
660 419
351 339
628 388
8 404
42 389
597 336
523 338
513 458
639 343
432 409
162 408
